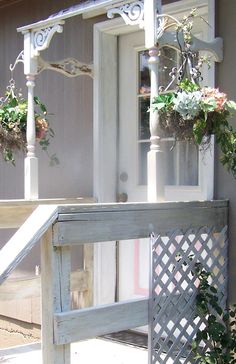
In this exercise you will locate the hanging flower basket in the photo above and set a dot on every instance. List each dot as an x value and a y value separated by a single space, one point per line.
195 113
13 120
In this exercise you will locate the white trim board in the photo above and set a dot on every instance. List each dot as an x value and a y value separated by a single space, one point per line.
106 127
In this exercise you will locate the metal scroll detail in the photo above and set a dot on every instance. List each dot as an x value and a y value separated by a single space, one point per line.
19 59
131 13
69 67
42 37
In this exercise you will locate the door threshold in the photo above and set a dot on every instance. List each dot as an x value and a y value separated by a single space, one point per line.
129 337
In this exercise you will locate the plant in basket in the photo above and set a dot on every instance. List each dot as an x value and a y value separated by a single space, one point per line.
13 120
194 113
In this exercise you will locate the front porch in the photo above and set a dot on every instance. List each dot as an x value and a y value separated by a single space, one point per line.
92 351
182 235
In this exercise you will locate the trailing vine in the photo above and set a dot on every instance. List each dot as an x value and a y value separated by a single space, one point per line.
192 112
13 120
220 329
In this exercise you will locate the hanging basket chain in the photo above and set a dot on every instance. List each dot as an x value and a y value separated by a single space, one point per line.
192 112
13 122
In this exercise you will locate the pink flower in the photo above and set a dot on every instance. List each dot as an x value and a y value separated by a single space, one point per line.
213 93
41 128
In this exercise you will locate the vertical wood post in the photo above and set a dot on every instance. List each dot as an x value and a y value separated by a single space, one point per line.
56 268
31 161
155 162
88 266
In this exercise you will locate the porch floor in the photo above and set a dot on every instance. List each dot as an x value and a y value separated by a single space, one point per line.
99 351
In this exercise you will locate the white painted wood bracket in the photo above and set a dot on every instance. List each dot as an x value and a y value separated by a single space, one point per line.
132 13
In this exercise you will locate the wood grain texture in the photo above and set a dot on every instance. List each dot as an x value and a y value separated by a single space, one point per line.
25 238
19 288
92 322
13 213
87 298
55 297
97 223
109 207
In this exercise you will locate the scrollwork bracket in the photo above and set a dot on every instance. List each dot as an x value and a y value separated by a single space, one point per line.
19 59
42 37
132 14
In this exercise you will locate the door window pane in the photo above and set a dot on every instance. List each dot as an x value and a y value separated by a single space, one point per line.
144 76
181 161
143 149
167 61
144 130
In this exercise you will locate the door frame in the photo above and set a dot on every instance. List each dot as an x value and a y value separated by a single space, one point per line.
105 134
105 144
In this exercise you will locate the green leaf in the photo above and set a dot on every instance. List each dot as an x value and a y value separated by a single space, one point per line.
160 106
213 289
40 104
231 105
189 86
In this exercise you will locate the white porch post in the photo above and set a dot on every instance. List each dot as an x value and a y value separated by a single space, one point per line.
31 161
155 162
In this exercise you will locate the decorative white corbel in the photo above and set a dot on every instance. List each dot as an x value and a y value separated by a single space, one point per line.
42 37
132 14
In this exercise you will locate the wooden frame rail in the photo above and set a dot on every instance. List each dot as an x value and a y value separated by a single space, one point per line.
60 227
90 322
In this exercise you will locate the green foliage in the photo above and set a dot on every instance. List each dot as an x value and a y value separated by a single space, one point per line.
164 102
220 330
188 86
13 121
201 112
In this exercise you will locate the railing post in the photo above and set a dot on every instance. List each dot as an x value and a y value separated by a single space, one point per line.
31 161
155 160
56 268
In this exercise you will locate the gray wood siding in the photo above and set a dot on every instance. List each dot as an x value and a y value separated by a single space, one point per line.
225 184
69 100
71 105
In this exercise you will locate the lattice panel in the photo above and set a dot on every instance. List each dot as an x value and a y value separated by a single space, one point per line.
174 289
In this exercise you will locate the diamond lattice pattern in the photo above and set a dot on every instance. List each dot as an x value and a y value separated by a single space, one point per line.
174 289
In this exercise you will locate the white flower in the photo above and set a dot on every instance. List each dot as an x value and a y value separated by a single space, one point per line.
187 104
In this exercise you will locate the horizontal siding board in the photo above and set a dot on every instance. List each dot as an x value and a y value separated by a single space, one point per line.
91 322
131 223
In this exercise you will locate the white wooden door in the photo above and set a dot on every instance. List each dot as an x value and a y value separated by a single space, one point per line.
108 168
188 173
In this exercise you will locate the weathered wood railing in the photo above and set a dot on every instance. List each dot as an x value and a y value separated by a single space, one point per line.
189 225
26 289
